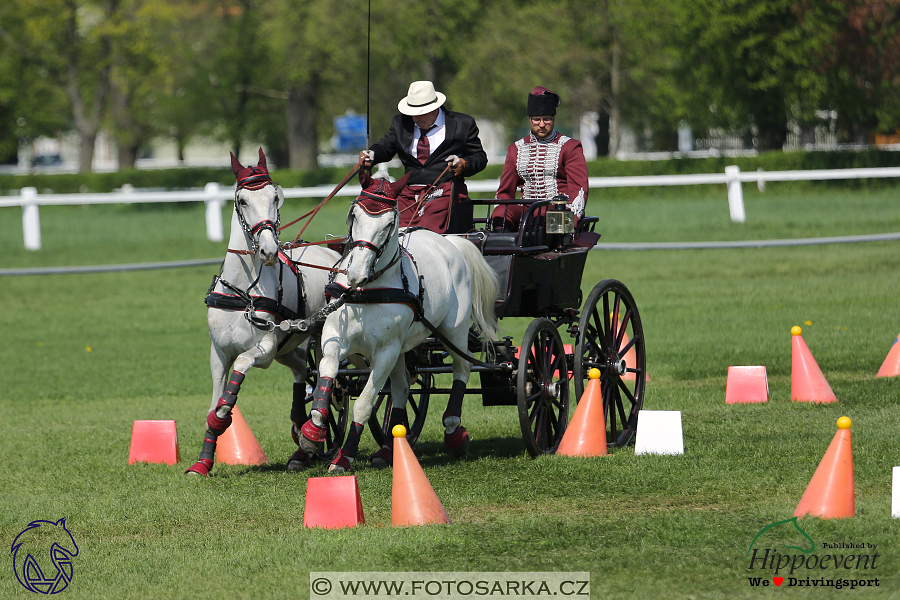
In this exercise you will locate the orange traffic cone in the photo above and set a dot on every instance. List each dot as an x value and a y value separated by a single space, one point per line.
807 382
413 501
586 434
830 491
891 365
333 502
238 445
746 385
154 442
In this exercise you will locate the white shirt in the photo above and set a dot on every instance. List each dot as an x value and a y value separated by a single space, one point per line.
435 135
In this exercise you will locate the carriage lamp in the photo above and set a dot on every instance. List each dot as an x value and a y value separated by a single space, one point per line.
560 219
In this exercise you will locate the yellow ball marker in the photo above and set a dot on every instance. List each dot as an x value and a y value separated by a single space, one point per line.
594 373
844 423
795 330
398 431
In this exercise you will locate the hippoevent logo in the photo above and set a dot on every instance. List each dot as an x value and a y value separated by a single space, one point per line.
42 556
782 554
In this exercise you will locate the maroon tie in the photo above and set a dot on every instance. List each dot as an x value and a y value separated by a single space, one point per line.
423 149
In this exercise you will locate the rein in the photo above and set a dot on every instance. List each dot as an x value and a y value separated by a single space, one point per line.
424 194
330 196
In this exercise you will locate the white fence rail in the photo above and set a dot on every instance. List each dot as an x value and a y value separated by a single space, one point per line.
215 195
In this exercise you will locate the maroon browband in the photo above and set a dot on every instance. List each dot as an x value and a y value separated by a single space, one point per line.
256 180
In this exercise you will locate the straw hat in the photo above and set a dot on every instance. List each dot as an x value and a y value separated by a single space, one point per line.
421 99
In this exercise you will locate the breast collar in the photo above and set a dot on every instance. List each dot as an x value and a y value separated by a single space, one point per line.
384 295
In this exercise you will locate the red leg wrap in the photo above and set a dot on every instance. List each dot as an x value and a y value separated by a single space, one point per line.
215 424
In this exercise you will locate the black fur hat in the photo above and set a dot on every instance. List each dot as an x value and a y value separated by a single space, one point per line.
542 102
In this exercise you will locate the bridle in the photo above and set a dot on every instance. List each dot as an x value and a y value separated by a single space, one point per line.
256 230
378 250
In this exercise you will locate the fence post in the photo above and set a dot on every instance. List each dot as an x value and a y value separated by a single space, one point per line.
213 213
31 219
735 193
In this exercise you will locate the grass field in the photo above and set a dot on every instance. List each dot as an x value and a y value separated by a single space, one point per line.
83 356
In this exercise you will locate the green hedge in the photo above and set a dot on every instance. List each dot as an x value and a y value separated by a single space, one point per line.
192 178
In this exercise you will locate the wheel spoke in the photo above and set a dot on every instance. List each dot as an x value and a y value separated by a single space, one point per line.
620 406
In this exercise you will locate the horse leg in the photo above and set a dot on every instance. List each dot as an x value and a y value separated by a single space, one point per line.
296 362
312 433
382 364
399 395
219 418
456 438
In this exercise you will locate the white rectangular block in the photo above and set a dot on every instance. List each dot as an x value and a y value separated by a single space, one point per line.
659 432
895 494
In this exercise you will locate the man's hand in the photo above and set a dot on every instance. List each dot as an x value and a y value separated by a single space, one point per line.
457 165
368 157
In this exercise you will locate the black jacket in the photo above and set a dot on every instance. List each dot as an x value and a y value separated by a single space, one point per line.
461 139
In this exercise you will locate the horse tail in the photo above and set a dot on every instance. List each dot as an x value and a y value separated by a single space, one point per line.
484 288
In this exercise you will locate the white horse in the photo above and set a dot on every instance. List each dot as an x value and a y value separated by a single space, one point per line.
390 277
260 285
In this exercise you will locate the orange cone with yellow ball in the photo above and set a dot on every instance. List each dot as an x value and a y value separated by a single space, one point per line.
830 494
413 501
586 434
238 445
807 382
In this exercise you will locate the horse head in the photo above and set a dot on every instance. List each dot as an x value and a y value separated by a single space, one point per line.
256 202
372 226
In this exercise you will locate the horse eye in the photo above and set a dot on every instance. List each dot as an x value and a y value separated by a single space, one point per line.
242 202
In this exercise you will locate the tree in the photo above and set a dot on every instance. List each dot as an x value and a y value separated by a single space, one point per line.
64 41
860 58
319 47
31 104
138 74
748 64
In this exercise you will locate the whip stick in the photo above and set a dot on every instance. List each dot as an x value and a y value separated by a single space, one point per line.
368 68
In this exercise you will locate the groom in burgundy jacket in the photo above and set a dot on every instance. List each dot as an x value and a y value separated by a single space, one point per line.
428 138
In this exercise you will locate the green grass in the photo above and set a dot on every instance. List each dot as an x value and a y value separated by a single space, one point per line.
84 355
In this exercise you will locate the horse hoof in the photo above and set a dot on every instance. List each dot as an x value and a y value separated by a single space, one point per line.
200 468
298 461
340 464
383 458
458 441
312 438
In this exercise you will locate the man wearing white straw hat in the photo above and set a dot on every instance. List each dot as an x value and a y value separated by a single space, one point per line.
428 139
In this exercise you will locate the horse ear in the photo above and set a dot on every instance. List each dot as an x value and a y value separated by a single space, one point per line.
398 185
365 179
262 160
236 165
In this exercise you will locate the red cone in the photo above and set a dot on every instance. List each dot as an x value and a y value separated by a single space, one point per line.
154 442
333 502
746 385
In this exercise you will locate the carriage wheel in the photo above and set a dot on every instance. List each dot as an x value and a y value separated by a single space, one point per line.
336 425
543 388
610 338
416 404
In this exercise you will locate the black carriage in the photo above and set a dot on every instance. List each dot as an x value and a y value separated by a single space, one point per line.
540 268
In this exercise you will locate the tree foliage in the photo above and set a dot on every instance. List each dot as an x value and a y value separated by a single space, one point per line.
280 71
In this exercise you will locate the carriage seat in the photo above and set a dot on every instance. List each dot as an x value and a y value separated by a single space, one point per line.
496 243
